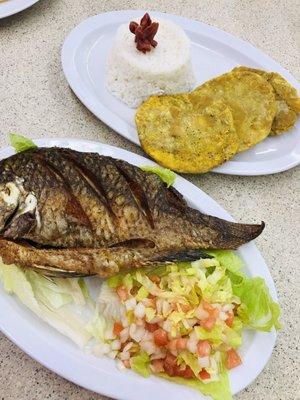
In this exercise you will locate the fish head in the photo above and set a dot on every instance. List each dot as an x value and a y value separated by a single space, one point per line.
16 205
10 195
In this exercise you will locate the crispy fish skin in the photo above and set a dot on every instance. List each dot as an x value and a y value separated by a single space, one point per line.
251 100
181 133
287 100
72 211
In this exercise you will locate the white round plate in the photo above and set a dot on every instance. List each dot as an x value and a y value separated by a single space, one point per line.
213 51
60 355
10 7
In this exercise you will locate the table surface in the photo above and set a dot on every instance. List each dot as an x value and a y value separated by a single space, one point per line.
36 101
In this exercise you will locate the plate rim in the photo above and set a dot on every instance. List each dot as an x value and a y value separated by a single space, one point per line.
10 8
120 126
35 349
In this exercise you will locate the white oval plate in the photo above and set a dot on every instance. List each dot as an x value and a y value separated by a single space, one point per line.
10 7
214 52
60 355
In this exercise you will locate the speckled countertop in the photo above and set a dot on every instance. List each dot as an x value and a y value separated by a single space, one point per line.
35 100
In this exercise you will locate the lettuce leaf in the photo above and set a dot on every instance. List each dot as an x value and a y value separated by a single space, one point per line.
98 327
258 310
140 364
219 390
228 259
21 143
166 175
49 299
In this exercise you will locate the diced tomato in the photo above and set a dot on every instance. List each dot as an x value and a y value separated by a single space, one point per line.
170 364
181 343
177 344
185 307
203 374
203 348
186 373
172 346
208 323
122 292
158 366
172 369
160 337
151 327
233 359
118 327
229 320
213 312
154 278
207 306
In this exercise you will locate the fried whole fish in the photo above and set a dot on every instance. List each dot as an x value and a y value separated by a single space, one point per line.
66 212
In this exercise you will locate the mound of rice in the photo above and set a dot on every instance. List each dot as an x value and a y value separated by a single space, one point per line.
133 76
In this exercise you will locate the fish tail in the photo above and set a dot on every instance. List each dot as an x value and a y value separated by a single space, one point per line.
221 234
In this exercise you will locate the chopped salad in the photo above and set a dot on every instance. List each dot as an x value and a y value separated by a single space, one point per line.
183 322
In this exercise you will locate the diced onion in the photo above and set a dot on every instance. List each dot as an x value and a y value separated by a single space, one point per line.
125 355
136 332
203 361
139 310
101 349
120 365
112 354
223 316
124 335
127 347
130 304
115 345
191 345
148 346
200 313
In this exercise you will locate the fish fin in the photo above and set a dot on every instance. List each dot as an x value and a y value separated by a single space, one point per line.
104 262
180 256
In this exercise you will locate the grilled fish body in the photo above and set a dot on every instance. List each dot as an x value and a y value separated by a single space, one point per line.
90 214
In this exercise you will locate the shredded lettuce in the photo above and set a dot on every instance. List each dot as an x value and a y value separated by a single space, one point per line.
21 143
214 335
50 299
191 360
166 175
141 363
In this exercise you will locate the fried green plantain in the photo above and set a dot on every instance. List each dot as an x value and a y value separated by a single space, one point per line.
287 100
251 100
184 135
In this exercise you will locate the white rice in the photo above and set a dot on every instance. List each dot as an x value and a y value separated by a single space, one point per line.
133 76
